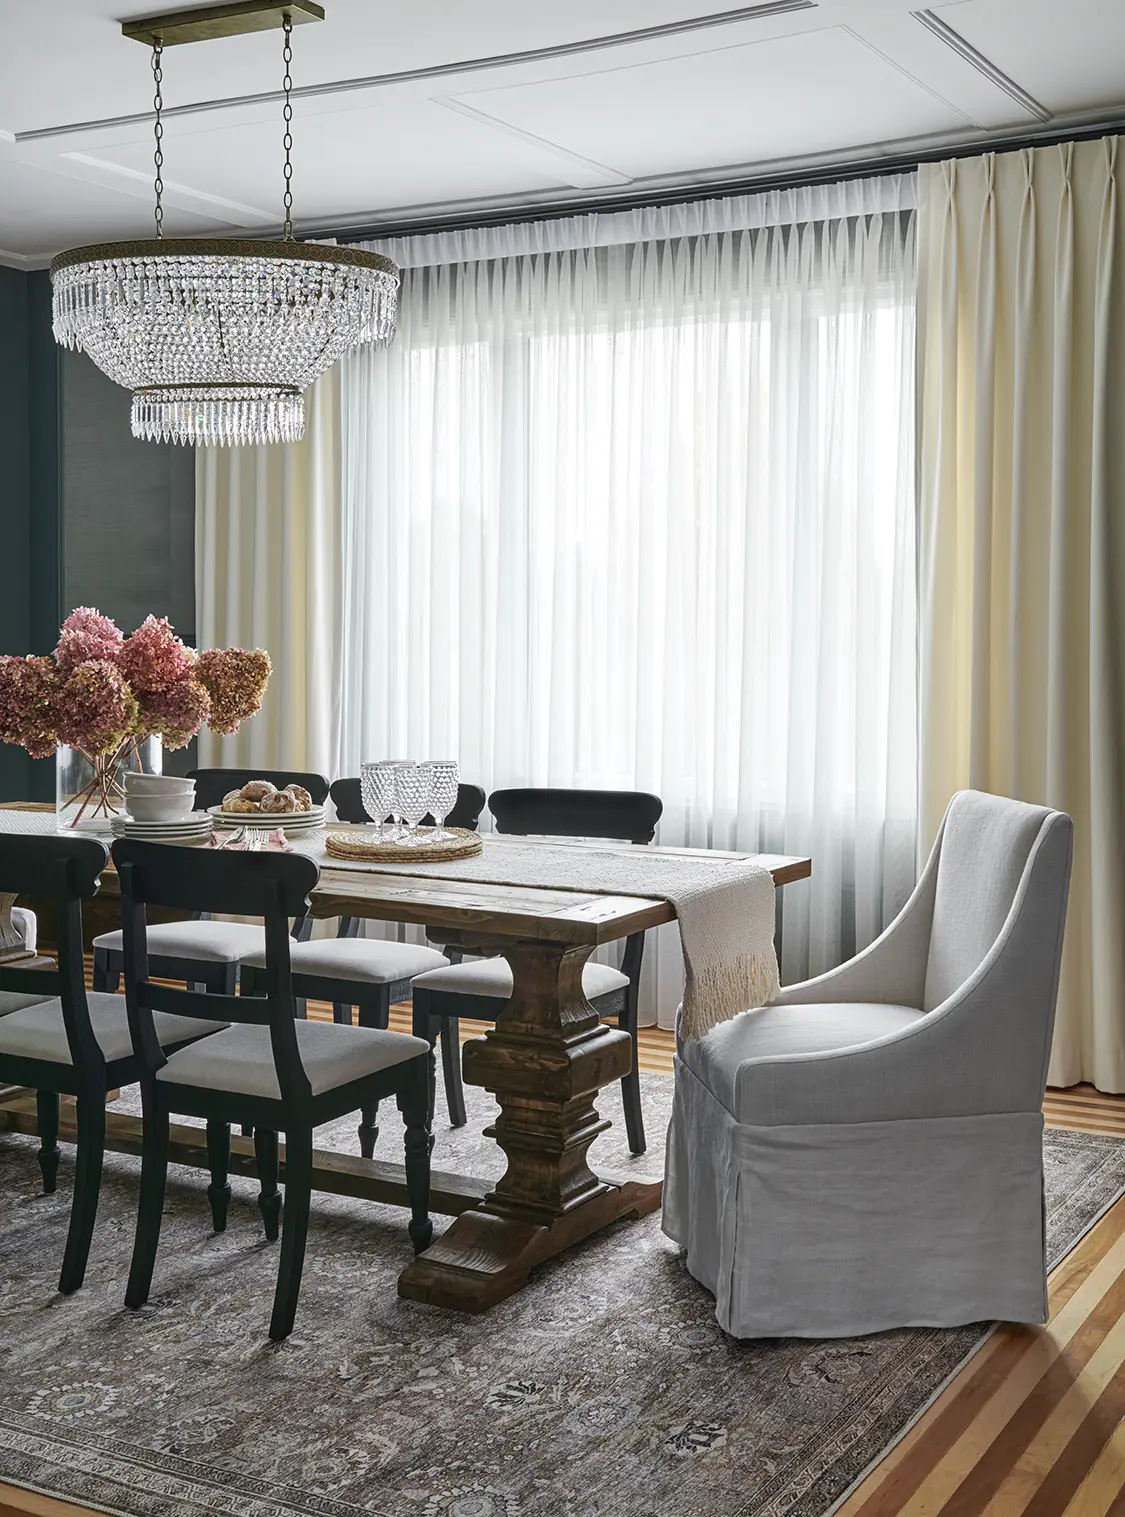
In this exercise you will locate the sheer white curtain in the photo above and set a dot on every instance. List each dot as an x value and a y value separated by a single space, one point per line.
642 514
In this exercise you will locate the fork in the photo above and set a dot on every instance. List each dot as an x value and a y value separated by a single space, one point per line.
254 840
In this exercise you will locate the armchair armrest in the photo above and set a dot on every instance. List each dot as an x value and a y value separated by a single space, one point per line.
892 969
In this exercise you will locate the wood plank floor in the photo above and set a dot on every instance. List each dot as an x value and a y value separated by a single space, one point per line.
1033 1426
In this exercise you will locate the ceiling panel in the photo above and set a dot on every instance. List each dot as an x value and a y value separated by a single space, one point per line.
774 99
379 155
42 213
1070 55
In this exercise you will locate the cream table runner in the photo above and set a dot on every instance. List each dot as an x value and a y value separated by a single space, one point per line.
724 906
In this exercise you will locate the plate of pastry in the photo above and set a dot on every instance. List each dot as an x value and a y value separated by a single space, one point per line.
261 804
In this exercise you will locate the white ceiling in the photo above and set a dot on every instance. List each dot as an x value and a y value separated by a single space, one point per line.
718 95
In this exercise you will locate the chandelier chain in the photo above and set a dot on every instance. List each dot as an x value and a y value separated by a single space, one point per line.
158 132
287 114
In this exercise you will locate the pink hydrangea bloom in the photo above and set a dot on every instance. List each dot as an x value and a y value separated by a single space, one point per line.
87 634
94 709
27 686
154 658
236 680
176 713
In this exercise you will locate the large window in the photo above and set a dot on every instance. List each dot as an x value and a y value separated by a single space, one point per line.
643 515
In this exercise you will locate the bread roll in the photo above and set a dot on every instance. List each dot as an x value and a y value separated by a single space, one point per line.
257 790
279 801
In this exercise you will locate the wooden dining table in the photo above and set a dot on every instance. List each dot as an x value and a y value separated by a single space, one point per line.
545 1061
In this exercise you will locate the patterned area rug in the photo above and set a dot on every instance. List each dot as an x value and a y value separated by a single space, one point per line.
606 1389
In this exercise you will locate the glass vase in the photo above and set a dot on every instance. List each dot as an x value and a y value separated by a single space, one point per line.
89 790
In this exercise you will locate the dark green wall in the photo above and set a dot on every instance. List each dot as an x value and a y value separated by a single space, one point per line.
89 515
29 490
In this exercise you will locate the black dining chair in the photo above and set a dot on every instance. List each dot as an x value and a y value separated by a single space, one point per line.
481 989
63 1041
268 1070
204 953
367 974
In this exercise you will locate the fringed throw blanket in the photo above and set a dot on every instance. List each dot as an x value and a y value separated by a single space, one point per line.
725 908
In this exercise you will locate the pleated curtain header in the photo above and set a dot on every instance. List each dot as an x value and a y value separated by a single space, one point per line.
887 193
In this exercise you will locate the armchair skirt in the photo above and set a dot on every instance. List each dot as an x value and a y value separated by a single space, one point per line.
839 1229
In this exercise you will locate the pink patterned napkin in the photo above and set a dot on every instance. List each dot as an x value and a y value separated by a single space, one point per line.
273 841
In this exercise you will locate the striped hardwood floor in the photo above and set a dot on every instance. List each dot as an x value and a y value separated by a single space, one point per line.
1033 1426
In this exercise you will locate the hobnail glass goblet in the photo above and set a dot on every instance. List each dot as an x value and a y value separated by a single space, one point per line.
412 793
377 791
443 793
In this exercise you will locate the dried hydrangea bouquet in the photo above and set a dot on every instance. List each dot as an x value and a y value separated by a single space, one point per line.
106 703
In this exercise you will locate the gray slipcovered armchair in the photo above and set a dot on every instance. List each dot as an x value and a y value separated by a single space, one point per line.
866 1151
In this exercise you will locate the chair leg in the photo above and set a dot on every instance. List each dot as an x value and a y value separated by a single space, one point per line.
294 1231
341 1014
269 1197
631 1092
374 1011
413 1103
218 1159
451 1071
101 969
90 1114
150 1208
47 1120
368 1129
424 1026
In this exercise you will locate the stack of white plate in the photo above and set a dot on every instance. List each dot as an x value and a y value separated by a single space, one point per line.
195 828
292 821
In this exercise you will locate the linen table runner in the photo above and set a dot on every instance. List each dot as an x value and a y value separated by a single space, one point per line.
724 907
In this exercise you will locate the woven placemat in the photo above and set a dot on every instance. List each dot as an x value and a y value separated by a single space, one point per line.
461 844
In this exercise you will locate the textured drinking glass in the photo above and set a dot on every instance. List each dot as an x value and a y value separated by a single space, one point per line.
377 791
444 778
412 792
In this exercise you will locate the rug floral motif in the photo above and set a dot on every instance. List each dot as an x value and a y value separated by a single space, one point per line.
605 1389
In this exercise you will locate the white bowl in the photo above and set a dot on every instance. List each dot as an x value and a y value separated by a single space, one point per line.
159 808
158 784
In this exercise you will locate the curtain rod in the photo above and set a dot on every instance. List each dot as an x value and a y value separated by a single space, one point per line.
789 179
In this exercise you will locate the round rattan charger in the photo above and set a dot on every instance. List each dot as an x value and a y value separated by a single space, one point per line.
460 844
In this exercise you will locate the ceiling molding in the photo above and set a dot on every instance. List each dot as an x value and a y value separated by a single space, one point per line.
976 59
760 12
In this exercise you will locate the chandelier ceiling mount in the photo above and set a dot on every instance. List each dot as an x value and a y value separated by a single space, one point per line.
218 338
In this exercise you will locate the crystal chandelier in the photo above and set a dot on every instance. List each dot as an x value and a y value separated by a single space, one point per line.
217 339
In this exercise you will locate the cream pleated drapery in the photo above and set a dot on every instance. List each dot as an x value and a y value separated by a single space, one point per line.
1021 314
268 574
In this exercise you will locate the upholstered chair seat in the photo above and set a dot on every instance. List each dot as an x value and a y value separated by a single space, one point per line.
240 1060
12 1000
209 942
39 1032
866 1152
375 961
493 977
735 1060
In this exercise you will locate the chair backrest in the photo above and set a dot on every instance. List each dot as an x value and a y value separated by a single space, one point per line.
627 815
985 846
273 886
212 784
67 871
348 801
